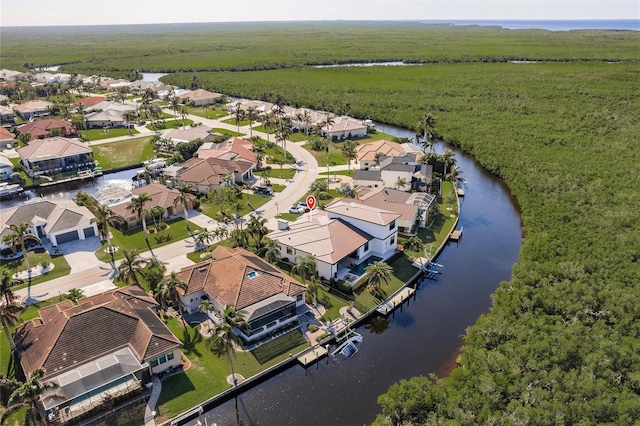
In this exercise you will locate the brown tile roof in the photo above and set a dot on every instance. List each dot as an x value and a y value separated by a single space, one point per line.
41 149
32 105
90 101
44 126
67 336
5 134
231 149
160 196
238 277
348 208
199 94
210 171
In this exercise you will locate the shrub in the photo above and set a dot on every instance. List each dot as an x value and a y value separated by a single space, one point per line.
313 328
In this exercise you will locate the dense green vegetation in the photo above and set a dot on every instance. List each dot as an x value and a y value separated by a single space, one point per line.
562 341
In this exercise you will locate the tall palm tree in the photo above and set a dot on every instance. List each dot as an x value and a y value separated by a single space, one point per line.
328 123
206 307
377 273
272 250
136 205
9 317
131 263
312 288
221 232
6 283
447 159
183 115
104 217
167 291
257 228
349 150
306 118
401 182
19 234
28 395
75 294
174 101
184 189
239 238
305 266
129 116
239 115
425 124
455 175
251 114
224 339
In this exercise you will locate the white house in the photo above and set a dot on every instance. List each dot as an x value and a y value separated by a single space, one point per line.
6 167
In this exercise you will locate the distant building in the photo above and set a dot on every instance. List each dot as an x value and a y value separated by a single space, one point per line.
55 155
32 109
200 97
43 128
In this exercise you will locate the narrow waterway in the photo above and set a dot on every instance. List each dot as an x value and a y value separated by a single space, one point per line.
424 338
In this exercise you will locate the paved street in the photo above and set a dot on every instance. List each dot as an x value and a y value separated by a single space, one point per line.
93 276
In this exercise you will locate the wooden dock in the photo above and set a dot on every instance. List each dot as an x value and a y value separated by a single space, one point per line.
456 235
312 355
460 192
390 305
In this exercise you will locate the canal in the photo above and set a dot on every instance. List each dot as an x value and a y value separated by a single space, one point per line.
424 338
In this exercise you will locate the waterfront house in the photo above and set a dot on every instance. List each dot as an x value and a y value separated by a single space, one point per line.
7 115
47 127
7 140
161 196
108 114
412 207
200 97
31 109
59 221
55 155
366 152
180 135
268 297
107 346
344 128
205 174
6 167
232 149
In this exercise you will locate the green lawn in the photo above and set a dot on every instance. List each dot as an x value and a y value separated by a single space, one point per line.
226 131
61 267
211 113
170 124
287 173
207 375
297 137
291 217
335 157
25 177
402 270
232 121
123 153
338 172
247 204
134 238
277 187
100 134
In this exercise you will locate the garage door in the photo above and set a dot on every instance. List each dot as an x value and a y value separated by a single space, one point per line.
67 236
89 232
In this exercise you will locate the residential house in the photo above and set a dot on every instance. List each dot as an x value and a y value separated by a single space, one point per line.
7 115
369 178
234 148
7 139
413 207
32 109
268 297
108 114
344 128
366 152
56 155
9 75
6 167
161 196
205 174
47 127
90 102
200 97
177 136
394 170
108 345
47 77
59 221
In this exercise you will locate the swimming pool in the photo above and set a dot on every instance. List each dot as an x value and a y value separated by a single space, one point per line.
359 270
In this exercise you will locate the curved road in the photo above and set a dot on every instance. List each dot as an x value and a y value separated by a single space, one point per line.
93 276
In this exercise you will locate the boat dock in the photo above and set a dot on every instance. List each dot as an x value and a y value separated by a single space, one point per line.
460 192
456 235
312 355
391 304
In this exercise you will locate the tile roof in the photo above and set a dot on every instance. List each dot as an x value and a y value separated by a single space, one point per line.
367 151
161 195
44 126
349 209
57 147
59 215
238 277
186 135
90 101
32 106
200 94
210 171
5 134
328 240
231 149
66 336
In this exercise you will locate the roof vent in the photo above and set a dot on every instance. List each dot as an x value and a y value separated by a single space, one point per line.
252 274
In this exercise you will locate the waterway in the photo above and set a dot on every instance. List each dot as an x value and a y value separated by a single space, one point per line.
424 338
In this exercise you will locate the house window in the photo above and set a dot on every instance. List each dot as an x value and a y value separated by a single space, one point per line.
289 250
392 240
299 297
163 359
392 225
169 356
154 362
366 247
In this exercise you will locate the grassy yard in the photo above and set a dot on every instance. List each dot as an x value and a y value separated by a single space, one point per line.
207 375
287 173
123 153
277 187
247 204
232 121
25 177
339 172
297 137
210 113
335 157
226 131
403 270
100 134
170 124
36 257
134 238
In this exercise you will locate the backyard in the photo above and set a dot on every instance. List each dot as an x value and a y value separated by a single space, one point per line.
123 153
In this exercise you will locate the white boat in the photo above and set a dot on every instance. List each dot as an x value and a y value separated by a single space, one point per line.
348 348
7 189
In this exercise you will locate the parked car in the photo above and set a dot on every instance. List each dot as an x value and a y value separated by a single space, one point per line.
299 208
265 190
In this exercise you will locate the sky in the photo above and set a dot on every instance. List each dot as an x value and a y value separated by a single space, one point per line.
92 12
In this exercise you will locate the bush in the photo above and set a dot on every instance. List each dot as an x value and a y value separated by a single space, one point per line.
323 336
313 328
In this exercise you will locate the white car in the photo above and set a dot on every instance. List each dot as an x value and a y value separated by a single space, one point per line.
299 209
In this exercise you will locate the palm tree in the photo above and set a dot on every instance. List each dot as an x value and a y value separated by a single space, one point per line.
455 175
305 266
377 273
28 395
136 205
312 288
9 317
401 182
129 116
447 159
131 264
427 122
104 217
206 307
156 211
246 186
272 250
167 291
328 123
184 189
6 283
174 101
280 162
239 238
414 244
306 118
20 233
222 232
224 339
349 150
257 228
154 272
239 113
251 114
183 114
75 294
376 158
